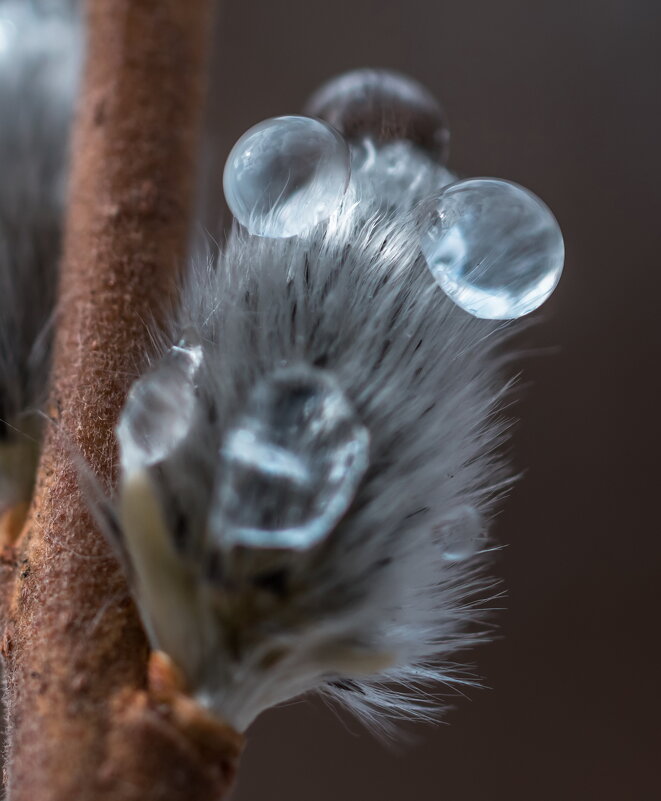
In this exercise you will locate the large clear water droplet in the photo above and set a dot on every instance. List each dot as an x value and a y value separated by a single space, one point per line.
382 106
494 248
463 532
291 465
285 175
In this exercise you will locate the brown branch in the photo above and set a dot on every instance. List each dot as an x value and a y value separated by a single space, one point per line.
84 722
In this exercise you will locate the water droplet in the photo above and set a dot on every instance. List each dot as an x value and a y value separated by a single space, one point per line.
285 175
463 532
383 106
494 248
291 465
160 408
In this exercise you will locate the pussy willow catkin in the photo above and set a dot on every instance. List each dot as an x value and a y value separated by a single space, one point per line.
309 467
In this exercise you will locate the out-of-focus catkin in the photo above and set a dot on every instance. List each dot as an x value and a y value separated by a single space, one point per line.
40 53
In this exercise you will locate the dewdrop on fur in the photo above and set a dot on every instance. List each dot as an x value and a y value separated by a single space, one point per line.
290 466
285 175
494 248
40 52
463 532
309 468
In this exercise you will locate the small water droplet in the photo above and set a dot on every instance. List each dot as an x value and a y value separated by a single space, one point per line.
285 175
160 408
463 532
494 248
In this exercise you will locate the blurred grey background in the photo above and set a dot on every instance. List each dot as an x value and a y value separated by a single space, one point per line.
564 98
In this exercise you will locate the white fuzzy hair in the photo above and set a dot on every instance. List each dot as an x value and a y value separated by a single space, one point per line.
373 613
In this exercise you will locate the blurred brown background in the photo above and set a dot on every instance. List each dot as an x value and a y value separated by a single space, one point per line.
564 98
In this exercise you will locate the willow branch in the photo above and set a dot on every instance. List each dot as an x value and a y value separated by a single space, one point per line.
84 721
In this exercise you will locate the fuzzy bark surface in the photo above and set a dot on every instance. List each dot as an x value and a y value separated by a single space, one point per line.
84 723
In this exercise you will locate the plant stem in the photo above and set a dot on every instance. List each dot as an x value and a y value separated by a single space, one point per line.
84 724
